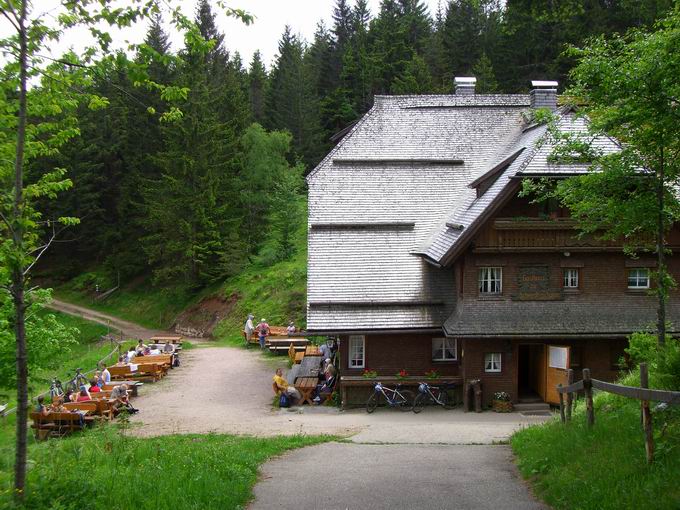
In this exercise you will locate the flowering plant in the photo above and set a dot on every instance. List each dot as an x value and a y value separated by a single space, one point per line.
432 374
370 374
402 374
502 396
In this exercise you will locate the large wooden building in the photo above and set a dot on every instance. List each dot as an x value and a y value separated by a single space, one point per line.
422 254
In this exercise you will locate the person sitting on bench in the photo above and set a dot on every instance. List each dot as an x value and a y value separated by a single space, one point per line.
130 355
106 376
283 386
120 397
324 390
168 348
57 406
41 407
84 395
141 347
291 329
94 385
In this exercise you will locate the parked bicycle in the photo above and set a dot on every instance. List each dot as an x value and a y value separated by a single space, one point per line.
397 397
439 395
56 389
77 381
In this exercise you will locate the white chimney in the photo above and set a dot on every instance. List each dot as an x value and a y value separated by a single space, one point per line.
544 94
464 85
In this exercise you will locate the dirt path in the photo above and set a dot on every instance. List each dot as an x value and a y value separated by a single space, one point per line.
227 389
127 328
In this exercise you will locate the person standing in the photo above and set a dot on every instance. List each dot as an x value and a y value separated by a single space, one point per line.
262 332
248 328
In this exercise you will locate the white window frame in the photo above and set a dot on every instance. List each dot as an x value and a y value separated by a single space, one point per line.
444 345
570 278
496 361
637 279
353 358
490 277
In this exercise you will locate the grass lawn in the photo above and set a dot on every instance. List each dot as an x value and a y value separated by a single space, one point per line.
106 469
572 467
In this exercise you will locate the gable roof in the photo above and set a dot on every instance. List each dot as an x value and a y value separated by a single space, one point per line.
531 153
379 194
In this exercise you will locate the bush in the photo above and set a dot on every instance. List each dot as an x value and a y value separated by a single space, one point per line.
664 361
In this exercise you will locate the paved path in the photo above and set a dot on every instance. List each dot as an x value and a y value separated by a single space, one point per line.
129 329
351 476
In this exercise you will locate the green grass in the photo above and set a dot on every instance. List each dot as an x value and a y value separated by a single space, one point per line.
106 469
139 301
572 467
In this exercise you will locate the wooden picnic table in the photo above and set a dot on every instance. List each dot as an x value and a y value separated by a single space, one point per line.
306 387
309 366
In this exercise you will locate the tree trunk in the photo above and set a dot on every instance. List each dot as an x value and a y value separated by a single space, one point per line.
18 279
661 290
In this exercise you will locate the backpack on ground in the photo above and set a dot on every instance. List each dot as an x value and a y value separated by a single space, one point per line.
284 401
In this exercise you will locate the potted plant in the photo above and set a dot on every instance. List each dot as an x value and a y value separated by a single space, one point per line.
432 374
369 374
501 402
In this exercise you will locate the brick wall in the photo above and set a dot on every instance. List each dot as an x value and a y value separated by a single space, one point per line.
388 354
600 355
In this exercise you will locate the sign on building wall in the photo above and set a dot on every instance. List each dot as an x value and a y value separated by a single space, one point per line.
533 284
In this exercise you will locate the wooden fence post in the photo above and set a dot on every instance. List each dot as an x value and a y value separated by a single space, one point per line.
647 415
570 395
588 387
562 417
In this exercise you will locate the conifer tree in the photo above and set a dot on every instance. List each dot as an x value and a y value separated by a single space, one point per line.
257 87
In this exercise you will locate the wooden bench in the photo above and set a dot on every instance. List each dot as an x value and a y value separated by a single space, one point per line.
306 387
41 425
133 387
161 359
299 356
150 370
100 408
171 339
58 424
125 373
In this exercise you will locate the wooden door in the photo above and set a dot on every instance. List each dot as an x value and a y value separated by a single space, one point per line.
557 364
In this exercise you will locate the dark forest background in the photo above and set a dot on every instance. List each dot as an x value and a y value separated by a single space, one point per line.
194 201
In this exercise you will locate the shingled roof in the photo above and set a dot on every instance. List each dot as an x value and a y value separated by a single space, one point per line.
379 195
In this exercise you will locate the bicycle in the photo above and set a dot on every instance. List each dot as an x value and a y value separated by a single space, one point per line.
436 394
56 389
78 380
403 399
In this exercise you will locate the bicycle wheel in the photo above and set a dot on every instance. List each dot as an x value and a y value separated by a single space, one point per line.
372 402
405 400
420 401
448 399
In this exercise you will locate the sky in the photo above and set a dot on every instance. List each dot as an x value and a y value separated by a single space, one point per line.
271 16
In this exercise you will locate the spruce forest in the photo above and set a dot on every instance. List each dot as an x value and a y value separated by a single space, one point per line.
195 201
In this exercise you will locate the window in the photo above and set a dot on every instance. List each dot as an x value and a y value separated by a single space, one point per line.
490 280
356 351
492 362
444 349
638 278
558 357
570 279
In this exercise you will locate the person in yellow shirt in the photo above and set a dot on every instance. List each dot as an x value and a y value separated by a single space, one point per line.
283 386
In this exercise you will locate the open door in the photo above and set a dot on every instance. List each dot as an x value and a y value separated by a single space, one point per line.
557 364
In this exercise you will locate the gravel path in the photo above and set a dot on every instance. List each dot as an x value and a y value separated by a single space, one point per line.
351 476
129 329
226 389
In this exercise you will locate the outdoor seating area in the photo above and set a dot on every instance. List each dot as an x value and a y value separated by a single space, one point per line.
312 377
106 397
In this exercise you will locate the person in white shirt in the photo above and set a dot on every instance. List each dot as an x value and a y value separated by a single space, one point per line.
106 375
248 328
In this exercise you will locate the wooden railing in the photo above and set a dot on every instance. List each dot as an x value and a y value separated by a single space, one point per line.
642 393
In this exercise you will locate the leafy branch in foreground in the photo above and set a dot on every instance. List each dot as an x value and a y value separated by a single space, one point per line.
39 97
628 89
